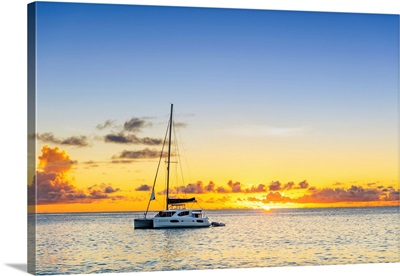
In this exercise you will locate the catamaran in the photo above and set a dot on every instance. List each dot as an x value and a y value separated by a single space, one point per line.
175 214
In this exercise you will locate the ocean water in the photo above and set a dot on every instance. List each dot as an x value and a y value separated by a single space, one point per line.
107 242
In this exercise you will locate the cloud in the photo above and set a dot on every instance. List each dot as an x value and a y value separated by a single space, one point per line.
136 124
150 141
109 190
211 187
271 197
91 164
311 193
122 161
257 189
231 187
303 185
54 160
253 199
52 185
138 154
194 188
235 187
276 197
275 186
288 186
101 191
221 190
78 141
122 138
132 125
394 195
329 195
106 124
390 194
53 188
180 124
143 187
223 199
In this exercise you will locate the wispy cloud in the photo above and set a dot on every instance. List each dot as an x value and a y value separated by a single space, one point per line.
106 124
122 138
180 124
78 141
138 154
136 124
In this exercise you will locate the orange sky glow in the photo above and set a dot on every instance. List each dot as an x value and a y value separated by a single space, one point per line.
60 189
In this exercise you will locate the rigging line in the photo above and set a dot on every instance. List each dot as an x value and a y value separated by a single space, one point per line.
180 162
173 167
174 175
199 205
165 181
158 167
185 156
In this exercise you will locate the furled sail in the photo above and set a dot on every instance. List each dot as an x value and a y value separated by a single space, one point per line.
180 200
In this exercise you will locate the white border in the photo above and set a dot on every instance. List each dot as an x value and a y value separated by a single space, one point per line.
13 126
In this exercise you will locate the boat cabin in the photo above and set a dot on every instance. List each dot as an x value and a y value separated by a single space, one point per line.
180 213
165 214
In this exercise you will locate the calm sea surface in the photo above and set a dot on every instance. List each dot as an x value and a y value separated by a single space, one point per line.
107 242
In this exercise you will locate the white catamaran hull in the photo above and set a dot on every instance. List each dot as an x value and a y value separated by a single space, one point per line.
180 223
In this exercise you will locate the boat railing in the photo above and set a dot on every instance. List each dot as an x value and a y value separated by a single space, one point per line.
177 206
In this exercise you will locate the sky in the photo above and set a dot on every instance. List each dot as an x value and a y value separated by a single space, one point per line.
275 108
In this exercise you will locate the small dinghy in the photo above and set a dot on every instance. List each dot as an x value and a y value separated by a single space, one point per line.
217 224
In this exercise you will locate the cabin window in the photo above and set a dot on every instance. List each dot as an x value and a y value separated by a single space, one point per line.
200 220
165 214
174 220
185 213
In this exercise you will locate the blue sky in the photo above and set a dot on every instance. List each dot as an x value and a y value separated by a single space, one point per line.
234 57
328 79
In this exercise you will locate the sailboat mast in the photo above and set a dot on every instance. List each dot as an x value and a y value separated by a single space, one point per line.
169 153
